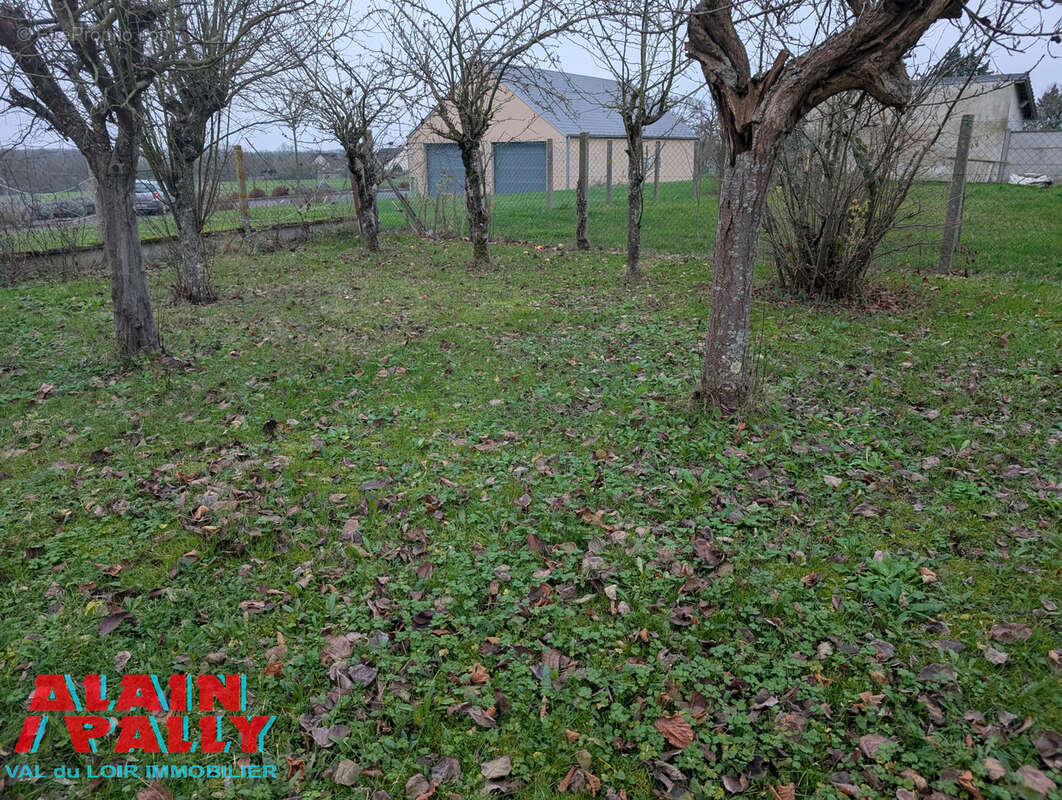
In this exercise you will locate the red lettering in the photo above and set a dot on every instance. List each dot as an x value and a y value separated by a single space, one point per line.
224 689
176 743
136 733
50 693
28 734
95 693
250 728
83 730
179 692
138 692
210 734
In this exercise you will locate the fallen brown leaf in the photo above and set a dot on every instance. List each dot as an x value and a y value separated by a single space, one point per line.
154 791
496 768
676 730
786 792
346 773
1035 780
994 767
1008 632
479 674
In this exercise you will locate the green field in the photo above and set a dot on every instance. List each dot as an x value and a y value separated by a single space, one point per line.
441 513
159 227
1005 228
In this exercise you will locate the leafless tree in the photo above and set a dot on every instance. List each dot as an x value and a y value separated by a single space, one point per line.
461 52
701 116
839 46
641 44
353 98
225 47
83 70
281 100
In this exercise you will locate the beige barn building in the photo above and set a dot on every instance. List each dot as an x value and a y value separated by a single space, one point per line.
539 115
1001 105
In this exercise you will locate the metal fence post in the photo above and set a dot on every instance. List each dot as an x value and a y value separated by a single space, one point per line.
581 188
608 172
549 175
1004 156
956 194
241 180
656 169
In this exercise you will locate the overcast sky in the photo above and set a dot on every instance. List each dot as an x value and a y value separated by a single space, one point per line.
1042 59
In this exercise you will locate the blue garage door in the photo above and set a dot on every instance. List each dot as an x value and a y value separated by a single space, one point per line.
519 167
446 173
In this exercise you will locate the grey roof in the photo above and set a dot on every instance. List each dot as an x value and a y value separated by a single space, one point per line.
575 104
1002 78
1020 80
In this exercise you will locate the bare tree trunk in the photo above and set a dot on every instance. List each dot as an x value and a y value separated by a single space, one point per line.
742 200
368 214
365 180
635 202
582 190
193 281
134 323
475 201
295 155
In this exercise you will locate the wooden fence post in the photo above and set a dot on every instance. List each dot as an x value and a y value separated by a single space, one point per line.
549 175
581 188
697 156
956 194
241 180
608 172
656 169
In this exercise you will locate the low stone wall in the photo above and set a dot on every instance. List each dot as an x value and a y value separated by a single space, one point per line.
67 263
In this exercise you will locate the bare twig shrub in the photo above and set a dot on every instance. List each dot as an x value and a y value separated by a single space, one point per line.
840 203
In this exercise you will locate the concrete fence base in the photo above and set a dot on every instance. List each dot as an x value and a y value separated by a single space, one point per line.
66 263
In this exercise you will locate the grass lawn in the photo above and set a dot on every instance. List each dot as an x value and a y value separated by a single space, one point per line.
440 514
1006 229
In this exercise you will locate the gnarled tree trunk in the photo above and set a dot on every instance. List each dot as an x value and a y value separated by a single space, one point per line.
193 279
742 201
134 323
635 203
365 176
476 202
755 110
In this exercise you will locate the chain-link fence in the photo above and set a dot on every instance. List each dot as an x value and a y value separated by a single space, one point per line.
997 154
1032 153
47 197
531 189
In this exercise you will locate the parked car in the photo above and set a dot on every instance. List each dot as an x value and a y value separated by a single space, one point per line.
148 199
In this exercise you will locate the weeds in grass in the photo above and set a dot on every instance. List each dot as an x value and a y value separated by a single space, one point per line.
463 532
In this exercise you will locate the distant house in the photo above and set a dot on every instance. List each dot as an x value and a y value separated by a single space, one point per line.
392 159
1000 104
539 111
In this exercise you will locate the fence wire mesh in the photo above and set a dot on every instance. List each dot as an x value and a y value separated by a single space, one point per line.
47 200
48 203
531 189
